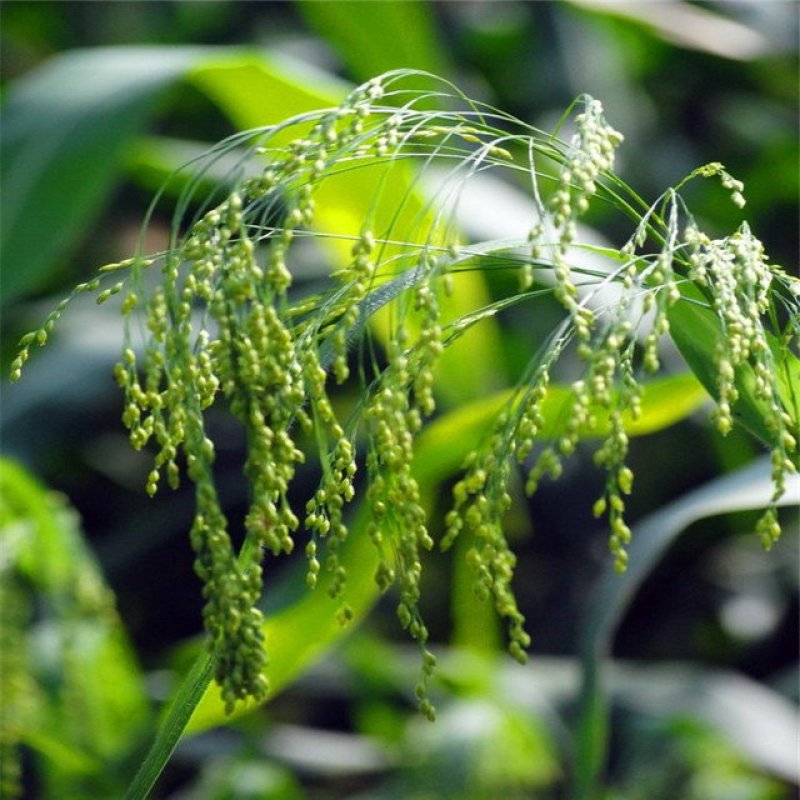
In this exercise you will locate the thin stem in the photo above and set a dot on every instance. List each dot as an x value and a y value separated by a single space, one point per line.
172 726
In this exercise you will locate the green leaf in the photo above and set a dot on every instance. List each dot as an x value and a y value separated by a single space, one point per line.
172 727
697 332
787 368
155 163
66 127
66 759
748 488
92 689
372 38
665 401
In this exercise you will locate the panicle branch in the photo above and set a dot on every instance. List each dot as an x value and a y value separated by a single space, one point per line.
225 326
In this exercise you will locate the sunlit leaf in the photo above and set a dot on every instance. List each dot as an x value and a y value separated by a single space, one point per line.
665 401
372 38
787 368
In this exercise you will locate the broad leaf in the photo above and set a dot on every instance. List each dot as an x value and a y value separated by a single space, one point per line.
66 127
372 38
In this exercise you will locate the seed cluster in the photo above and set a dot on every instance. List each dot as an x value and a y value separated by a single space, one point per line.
608 385
591 153
223 326
269 378
399 527
480 501
735 272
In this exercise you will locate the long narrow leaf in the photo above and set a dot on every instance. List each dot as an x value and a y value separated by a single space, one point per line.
748 488
172 727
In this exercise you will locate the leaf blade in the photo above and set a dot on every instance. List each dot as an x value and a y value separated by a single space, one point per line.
66 127
372 38
748 488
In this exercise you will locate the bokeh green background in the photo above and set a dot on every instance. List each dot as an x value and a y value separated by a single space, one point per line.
687 83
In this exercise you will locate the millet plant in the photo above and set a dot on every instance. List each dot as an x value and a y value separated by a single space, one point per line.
215 319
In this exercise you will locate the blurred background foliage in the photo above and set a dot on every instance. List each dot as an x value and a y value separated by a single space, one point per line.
701 693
